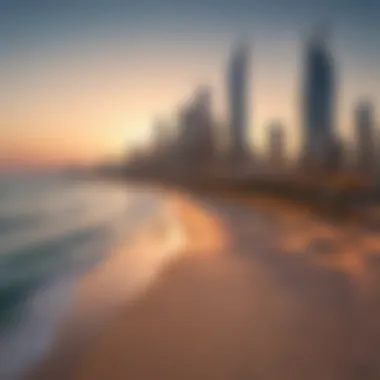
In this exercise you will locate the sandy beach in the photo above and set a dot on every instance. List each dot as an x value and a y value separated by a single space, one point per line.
265 291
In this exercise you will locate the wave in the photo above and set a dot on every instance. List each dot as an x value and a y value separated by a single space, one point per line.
77 227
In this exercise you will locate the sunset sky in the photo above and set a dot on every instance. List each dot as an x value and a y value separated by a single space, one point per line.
81 80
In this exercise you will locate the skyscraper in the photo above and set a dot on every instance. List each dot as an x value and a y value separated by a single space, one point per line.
365 136
318 100
196 127
238 83
161 134
276 145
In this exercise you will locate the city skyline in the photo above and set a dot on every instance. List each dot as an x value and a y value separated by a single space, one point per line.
82 89
321 144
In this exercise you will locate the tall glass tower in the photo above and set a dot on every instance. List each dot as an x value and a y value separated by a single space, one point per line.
319 99
238 83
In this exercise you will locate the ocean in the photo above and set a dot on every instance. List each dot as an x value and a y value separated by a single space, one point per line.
55 234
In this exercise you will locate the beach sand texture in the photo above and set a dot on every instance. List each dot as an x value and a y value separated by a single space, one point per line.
259 292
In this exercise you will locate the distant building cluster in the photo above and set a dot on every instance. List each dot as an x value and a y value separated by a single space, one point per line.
192 146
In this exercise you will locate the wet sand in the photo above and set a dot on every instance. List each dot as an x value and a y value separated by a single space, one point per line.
260 292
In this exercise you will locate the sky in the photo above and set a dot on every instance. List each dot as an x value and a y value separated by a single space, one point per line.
83 80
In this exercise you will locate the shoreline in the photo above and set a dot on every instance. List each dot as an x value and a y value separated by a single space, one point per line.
74 338
243 306
342 207
241 309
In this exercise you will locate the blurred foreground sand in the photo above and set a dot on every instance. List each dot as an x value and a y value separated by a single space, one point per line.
269 294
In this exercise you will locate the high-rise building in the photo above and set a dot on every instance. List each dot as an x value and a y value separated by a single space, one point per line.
238 84
364 121
161 134
318 110
276 145
196 127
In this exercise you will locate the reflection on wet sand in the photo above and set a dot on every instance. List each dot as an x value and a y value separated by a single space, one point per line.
269 294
